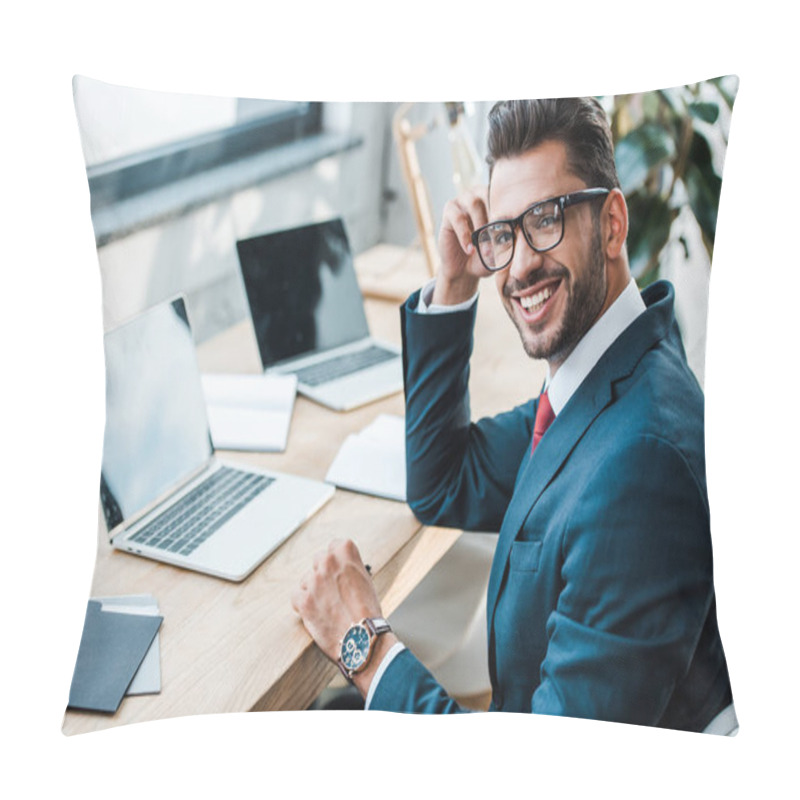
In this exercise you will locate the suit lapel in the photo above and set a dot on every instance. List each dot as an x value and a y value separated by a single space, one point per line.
541 467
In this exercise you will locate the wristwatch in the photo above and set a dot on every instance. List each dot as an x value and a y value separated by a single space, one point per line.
357 645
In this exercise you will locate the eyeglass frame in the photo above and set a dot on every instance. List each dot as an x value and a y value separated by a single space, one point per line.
564 202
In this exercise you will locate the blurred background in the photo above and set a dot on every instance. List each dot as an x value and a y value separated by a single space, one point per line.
177 179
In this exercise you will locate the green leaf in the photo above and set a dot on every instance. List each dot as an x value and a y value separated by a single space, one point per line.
703 189
642 150
703 186
649 227
708 112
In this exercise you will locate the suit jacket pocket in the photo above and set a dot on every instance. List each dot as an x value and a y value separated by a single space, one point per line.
525 556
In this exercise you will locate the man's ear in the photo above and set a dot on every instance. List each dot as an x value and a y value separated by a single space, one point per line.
616 228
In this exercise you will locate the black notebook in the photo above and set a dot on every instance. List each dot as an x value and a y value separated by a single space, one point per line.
112 648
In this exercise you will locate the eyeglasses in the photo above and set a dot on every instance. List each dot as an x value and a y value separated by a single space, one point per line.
542 226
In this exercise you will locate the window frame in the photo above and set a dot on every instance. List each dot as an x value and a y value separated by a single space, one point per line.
149 170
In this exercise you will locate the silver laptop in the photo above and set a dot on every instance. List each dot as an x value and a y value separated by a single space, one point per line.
308 316
164 493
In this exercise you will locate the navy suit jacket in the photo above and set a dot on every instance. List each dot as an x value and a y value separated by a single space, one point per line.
601 599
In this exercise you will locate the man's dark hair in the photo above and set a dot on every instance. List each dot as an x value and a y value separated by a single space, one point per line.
516 126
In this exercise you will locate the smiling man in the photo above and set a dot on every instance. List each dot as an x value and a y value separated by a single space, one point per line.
601 599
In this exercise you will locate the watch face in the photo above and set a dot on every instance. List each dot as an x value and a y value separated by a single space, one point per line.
355 648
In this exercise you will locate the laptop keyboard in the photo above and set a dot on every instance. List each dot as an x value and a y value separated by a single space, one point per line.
183 527
343 365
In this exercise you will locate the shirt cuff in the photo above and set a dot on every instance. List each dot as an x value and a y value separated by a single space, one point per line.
426 307
395 650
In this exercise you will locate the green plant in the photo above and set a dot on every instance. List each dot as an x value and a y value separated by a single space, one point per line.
670 146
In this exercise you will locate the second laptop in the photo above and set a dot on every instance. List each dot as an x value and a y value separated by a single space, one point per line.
308 316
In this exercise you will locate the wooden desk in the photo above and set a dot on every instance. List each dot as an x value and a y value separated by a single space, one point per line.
237 647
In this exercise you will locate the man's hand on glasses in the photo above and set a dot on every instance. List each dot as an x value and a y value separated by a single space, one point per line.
461 268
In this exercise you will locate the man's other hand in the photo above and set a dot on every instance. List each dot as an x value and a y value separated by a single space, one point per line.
337 592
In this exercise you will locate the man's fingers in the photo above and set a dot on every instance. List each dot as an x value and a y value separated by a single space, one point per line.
476 208
338 574
463 216
350 551
458 221
319 564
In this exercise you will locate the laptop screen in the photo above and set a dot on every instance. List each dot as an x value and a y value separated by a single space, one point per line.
302 289
156 430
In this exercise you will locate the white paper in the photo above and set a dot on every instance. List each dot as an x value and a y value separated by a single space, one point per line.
249 412
388 429
373 461
147 679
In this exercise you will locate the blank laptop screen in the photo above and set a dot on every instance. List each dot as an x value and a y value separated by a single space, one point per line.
302 289
156 429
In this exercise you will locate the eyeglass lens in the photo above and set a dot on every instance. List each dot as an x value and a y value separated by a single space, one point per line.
542 226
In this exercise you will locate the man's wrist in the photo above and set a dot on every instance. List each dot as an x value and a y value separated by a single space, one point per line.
363 679
453 291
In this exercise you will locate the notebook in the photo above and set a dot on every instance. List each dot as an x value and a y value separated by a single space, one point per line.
308 316
164 493
373 461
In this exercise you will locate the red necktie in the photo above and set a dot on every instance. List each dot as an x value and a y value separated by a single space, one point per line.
544 416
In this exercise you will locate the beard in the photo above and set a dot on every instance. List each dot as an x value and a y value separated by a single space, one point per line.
586 295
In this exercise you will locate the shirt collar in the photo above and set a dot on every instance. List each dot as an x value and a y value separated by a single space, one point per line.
580 362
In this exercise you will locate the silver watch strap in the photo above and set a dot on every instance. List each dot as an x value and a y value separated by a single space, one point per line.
377 625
